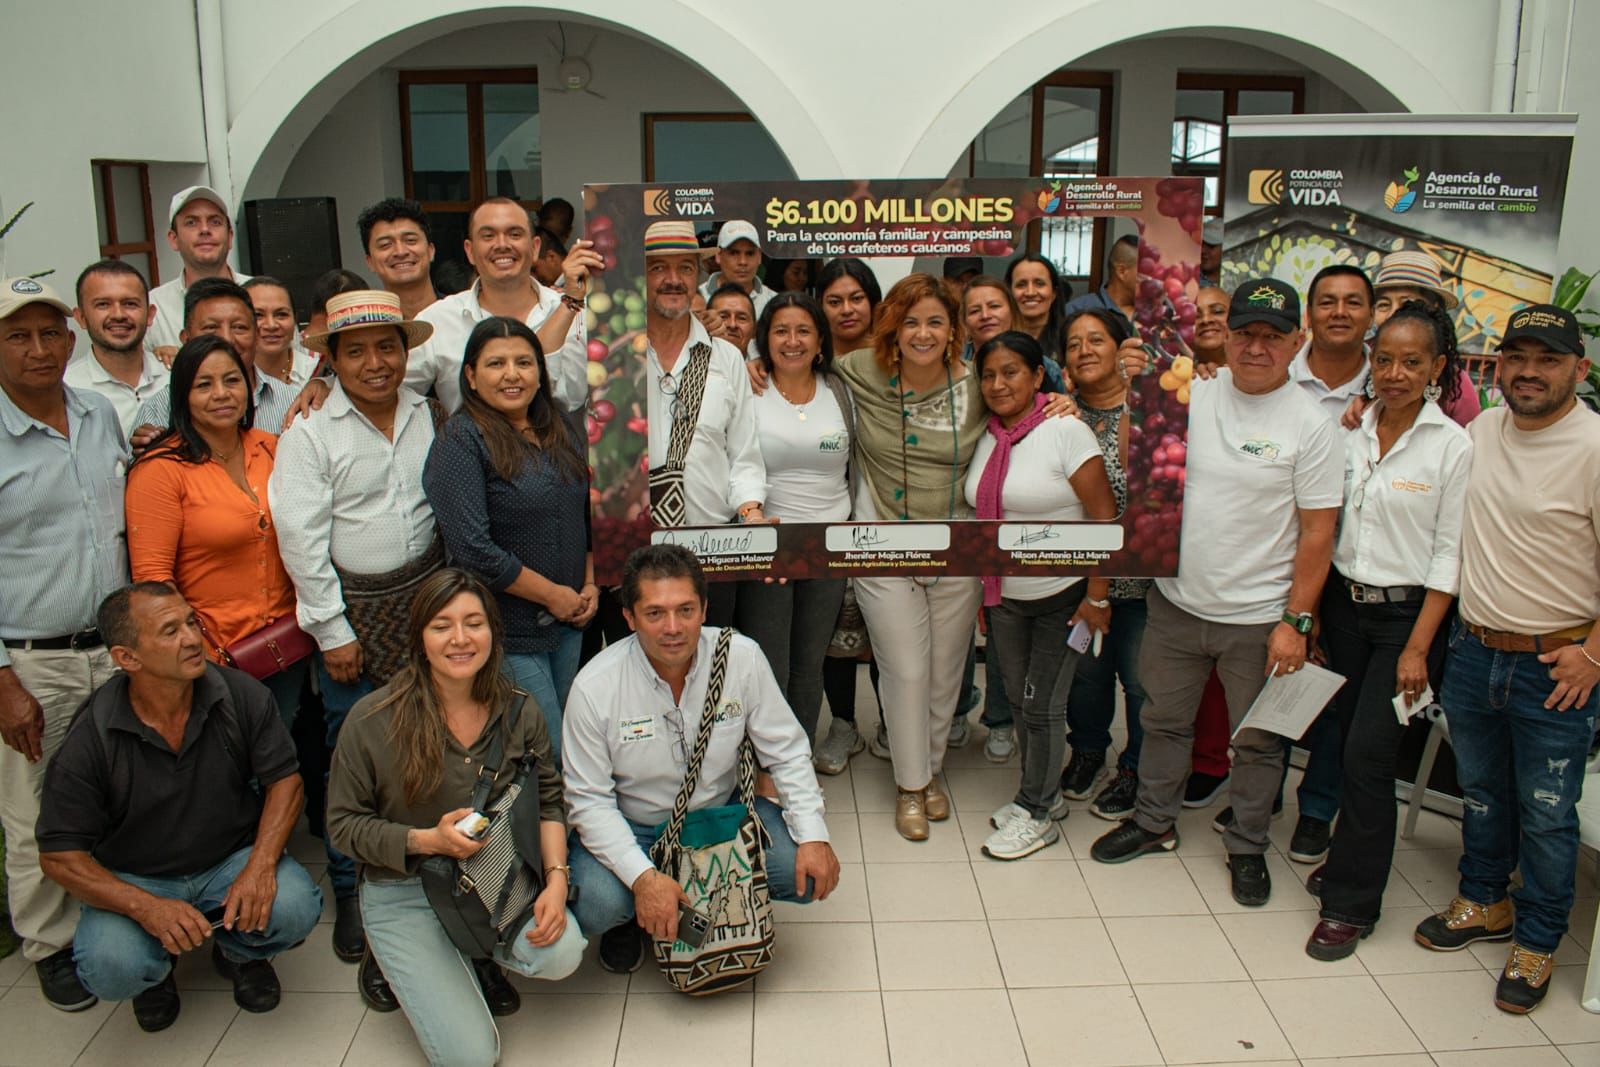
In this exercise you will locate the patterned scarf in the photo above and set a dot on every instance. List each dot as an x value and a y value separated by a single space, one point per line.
993 480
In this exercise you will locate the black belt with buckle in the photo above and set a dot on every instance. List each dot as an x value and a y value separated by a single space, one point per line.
89 638
1377 594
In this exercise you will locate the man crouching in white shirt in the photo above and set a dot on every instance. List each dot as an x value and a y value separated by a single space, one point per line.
631 722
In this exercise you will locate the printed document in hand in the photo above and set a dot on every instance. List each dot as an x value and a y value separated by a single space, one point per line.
1290 702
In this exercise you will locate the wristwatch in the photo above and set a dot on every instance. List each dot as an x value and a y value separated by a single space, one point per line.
1300 620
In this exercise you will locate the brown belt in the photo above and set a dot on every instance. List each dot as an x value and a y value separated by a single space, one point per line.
1501 641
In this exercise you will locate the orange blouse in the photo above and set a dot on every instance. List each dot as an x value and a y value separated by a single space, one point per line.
189 524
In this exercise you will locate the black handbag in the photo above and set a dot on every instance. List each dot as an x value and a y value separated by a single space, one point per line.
485 899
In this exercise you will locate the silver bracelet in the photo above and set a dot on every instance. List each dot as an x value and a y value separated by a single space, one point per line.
1093 603
1588 657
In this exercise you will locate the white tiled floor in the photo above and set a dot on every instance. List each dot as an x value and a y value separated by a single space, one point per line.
931 954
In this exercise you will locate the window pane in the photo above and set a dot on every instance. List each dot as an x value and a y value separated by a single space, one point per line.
1205 104
439 162
1002 148
129 194
1071 129
99 207
1264 102
686 148
141 261
1069 244
451 271
511 141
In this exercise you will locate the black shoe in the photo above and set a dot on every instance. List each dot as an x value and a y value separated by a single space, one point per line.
501 996
622 948
1130 839
1314 881
1224 817
1310 841
58 981
1116 801
349 936
374 987
1251 883
157 1007
255 983
1202 789
1524 982
1083 771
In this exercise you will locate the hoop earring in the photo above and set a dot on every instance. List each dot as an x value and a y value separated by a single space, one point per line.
1432 392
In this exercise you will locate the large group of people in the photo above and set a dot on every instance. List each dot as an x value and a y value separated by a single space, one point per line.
213 519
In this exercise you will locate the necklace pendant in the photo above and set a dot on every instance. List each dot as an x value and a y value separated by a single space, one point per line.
800 414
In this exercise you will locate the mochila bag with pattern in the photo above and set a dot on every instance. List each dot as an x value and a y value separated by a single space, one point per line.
718 856
668 504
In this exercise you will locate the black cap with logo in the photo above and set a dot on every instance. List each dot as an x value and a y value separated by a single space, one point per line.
1556 328
1265 300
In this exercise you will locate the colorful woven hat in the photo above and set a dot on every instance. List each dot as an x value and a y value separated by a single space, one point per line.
672 237
367 307
1414 270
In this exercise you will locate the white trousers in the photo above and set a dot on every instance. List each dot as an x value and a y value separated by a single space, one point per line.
920 630
59 680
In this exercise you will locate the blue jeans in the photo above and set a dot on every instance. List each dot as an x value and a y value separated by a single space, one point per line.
1318 794
435 983
547 676
1092 704
1521 772
997 709
117 959
285 687
604 902
337 700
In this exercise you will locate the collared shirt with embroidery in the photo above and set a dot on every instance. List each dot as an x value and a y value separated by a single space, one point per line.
344 495
1331 401
88 373
436 363
61 518
1402 514
625 745
274 397
724 467
168 299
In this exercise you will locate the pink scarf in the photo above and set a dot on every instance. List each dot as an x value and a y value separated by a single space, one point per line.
992 482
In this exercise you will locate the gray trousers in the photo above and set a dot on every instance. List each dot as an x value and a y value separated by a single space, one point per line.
1029 638
793 624
1180 650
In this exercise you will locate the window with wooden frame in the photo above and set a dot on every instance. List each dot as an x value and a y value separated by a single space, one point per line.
1204 105
711 146
122 213
467 135
1059 128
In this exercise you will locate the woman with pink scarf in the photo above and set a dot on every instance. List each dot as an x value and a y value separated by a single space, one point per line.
1028 468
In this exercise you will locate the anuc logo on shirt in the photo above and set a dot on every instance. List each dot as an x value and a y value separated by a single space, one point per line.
1261 447
834 442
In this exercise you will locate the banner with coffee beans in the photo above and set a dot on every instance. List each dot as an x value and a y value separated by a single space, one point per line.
871 219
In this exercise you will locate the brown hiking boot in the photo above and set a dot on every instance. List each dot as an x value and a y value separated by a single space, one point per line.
1525 980
1464 923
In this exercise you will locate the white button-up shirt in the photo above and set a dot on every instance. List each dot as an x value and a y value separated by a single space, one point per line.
724 467
1332 401
437 362
761 294
1403 513
168 299
88 373
344 495
625 744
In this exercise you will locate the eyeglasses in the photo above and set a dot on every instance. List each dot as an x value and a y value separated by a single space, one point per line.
1359 497
669 389
680 751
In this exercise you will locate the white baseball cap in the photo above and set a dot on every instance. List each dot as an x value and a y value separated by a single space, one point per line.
18 293
195 192
737 230
1212 232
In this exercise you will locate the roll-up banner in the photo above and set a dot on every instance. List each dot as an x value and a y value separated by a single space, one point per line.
870 219
1481 194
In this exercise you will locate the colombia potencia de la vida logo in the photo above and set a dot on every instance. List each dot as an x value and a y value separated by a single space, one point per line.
1400 197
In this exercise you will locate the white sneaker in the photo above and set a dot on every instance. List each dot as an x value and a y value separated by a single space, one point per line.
1021 837
959 731
1013 811
879 745
842 742
1001 744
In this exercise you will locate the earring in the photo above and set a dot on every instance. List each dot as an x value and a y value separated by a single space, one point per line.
1431 392
1370 390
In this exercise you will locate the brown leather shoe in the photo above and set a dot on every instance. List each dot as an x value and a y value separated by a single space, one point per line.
1333 940
1463 923
938 800
911 814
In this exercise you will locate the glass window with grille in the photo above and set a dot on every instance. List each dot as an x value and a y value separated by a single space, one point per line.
1204 104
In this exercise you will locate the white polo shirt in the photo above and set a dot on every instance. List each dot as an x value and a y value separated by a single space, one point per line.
437 362
88 373
625 745
761 293
1403 513
1331 401
168 299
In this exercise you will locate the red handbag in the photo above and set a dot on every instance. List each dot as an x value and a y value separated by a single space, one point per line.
275 647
